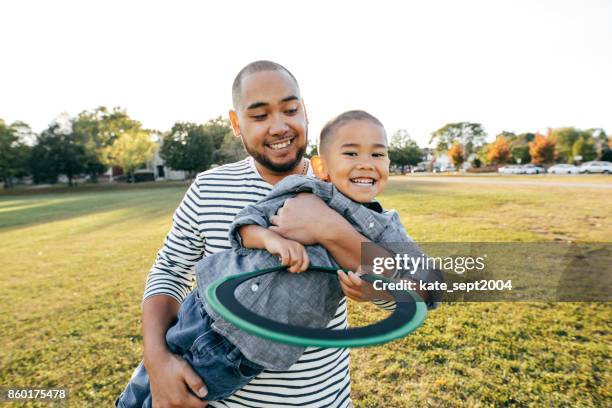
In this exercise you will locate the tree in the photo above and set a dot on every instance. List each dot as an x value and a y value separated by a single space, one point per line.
542 149
218 128
57 151
566 138
499 151
471 136
232 150
130 150
520 154
585 148
456 154
98 129
14 153
188 147
403 151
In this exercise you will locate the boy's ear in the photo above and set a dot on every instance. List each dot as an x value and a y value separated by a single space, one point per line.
319 168
234 121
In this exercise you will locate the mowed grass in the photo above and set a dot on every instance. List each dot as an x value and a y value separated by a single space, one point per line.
74 267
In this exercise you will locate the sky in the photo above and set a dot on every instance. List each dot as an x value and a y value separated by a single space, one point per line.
510 65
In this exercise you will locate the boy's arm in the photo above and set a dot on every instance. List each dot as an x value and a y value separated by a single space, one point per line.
292 254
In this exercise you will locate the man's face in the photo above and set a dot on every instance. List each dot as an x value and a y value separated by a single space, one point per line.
356 160
272 120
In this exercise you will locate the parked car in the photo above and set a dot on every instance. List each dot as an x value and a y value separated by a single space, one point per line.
596 167
422 166
563 169
509 169
443 168
531 169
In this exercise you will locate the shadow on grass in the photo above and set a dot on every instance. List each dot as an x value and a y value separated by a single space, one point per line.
38 210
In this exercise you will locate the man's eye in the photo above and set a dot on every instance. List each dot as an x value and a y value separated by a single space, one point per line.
260 117
291 112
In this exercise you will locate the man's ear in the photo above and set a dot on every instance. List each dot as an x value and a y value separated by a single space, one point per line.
234 121
319 168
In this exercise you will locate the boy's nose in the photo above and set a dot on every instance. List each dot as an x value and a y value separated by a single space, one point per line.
365 165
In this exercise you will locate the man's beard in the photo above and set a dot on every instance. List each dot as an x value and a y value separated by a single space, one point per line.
268 164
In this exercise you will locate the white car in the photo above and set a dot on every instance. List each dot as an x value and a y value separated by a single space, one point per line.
564 169
596 167
531 169
509 169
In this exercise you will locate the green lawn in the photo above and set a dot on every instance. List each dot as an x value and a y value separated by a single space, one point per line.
77 263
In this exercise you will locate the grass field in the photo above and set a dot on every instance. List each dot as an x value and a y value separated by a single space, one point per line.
75 265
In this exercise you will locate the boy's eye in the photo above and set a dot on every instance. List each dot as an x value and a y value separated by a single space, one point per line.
351 154
379 154
260 117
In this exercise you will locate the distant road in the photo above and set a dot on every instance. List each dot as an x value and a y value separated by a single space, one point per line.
498 181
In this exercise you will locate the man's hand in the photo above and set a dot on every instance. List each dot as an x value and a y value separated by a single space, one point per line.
305 218
171 379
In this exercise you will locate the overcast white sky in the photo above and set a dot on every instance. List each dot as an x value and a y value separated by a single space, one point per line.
510 65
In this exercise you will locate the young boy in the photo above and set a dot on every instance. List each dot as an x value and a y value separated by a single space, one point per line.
353 168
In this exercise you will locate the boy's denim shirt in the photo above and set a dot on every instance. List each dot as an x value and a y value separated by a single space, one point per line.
300 299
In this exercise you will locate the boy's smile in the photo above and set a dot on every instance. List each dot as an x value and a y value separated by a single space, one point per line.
356 160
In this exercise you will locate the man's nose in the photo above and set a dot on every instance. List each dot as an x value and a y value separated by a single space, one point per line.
278 126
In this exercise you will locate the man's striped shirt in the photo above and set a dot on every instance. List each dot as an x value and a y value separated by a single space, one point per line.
320 378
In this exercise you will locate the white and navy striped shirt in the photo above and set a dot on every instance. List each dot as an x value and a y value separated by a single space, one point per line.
320 378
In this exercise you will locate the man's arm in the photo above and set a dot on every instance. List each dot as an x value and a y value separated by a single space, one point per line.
307 219
168 283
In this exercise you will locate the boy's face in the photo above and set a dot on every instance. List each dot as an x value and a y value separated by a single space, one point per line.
271 120
356 160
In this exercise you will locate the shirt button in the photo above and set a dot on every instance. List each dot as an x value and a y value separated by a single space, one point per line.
371 225
254 287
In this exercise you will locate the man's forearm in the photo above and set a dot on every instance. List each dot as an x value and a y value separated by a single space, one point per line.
344 244
158 314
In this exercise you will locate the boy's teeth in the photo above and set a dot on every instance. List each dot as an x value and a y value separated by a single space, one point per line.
277 146
363 181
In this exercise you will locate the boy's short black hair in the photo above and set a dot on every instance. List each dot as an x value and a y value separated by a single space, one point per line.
342 119
253 67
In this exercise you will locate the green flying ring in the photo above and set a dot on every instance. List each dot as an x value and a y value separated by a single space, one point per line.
409 314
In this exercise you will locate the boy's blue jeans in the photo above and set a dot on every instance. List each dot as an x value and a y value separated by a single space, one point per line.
217 361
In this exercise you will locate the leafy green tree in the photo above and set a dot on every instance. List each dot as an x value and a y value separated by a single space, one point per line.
218 128
96 130
585 148
14 153
520 153
57 151
471 136
189 147
232 150
130 150
565 139
403 151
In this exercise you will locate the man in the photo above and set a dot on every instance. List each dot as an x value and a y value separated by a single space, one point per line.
270 117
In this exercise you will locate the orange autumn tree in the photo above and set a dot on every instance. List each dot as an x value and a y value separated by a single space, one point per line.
456 154
499 151
542 149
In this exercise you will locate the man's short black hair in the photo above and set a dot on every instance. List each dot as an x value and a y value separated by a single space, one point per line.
253 67
342 119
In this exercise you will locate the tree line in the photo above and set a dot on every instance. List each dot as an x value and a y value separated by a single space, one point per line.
94 140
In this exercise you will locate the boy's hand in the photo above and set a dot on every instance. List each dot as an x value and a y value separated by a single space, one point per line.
292 254
357 289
